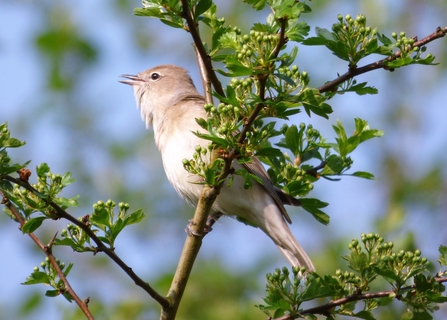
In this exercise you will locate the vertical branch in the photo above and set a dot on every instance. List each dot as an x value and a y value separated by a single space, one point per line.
207 89
189 253
192 28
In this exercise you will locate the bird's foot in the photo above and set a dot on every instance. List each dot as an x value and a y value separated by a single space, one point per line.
211 220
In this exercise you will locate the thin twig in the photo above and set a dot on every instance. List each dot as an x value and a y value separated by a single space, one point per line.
48 252
192 28
207 85
381 64
100 245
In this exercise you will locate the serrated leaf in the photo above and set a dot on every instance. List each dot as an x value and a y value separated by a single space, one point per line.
37 277
363 174
316 289
367 315
134 217
325 33
148 12
100 218
269 152
360 89
399 62
384 39
442 255
32 224
251 98
292 139
173 24
298 31
312 206
52 293
202 7
68 242
68 268
386 273
371 47
257 4
42 169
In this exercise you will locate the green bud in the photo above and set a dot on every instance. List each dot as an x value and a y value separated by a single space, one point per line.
35 269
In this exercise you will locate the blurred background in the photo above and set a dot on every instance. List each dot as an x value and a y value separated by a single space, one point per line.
60 62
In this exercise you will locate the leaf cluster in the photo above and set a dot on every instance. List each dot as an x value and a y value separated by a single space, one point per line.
103 222
49 276
370 260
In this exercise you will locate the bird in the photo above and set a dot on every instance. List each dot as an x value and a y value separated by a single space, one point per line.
170 103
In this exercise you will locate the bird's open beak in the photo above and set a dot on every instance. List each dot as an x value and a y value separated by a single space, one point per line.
133 80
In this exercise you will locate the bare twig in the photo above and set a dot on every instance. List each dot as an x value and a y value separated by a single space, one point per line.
381 64
48 252
100 245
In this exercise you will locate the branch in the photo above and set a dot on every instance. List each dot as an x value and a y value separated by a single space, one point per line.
262 83
61 213
192 28
325 308
48 252
190 250
207 89
381 64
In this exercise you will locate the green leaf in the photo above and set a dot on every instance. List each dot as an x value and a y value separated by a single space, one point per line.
325 33
385 40
269 152
257 4
100 218
134 217
52 293
298 31
312 206
42 169
313 102
389 275
360 89
334 165
202 7
371 46
173 24
149 12
68 268
442 255
364 315
316 289
363 174
68 242
32 224
399 62
37 277
293 140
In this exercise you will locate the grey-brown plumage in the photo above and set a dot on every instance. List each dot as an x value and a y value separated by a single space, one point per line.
169 101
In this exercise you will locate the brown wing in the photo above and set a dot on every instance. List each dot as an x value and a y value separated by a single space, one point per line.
255 167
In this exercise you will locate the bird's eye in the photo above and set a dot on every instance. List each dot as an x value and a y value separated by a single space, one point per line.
155 76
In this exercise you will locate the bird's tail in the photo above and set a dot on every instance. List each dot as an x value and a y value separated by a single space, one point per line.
278 230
